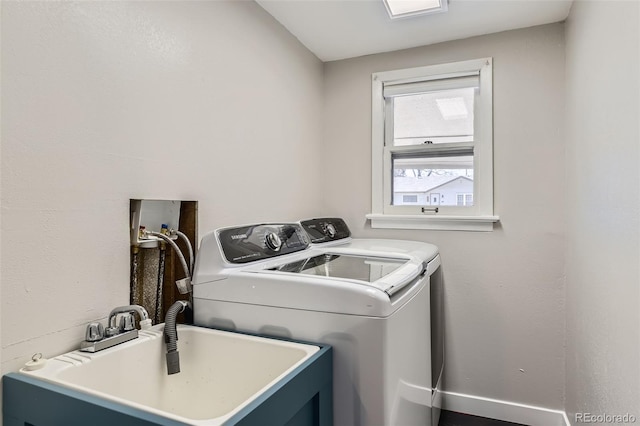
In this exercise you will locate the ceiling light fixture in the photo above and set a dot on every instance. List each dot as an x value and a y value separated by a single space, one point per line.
404 8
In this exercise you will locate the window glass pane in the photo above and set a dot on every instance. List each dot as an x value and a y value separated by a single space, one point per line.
437 117
433 180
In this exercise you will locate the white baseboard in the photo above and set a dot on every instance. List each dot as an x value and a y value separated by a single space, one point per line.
503 410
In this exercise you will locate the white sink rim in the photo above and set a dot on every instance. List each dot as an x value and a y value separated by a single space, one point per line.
57 365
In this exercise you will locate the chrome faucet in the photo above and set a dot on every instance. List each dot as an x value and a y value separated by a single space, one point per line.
127 322
98 338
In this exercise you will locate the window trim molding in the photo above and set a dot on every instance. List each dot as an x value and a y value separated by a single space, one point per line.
433 222
479 218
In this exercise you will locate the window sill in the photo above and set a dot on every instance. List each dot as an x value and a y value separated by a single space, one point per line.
443 223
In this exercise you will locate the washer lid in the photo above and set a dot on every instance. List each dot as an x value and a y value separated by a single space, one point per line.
349 267
367 269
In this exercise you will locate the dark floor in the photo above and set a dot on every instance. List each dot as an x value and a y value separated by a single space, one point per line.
450 418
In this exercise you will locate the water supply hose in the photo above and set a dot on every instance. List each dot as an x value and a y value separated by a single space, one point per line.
183 262
184 238
171 336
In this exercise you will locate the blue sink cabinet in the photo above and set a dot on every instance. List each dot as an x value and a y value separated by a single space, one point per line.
302 398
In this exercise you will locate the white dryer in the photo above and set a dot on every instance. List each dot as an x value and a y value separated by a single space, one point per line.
372 307
333 232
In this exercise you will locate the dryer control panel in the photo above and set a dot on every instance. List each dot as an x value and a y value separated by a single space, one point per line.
250 243
326 229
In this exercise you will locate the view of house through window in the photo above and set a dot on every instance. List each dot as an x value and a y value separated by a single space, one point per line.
438 181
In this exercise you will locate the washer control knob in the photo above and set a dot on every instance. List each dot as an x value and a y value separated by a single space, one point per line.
330 230
273 241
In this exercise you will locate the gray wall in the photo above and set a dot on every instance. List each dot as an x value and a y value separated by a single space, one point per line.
107 101
505 289
603 188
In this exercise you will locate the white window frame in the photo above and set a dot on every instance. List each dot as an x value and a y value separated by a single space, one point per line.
479 217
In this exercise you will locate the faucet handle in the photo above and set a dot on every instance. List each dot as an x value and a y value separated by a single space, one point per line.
127 322
94 333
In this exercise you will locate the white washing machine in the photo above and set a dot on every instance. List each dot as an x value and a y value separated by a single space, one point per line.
334 232
330 232
372 307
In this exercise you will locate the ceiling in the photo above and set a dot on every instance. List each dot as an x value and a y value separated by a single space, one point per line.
339 29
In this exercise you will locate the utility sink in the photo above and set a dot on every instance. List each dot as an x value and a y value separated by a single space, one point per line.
222 373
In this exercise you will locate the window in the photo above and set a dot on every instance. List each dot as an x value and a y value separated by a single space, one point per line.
464 200
409 199
433 134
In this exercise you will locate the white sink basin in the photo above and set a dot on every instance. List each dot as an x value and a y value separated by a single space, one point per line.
221 372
